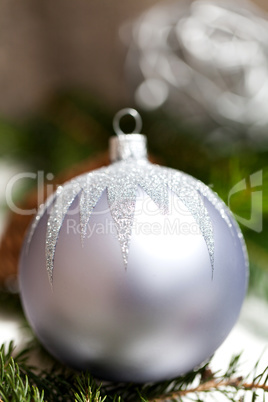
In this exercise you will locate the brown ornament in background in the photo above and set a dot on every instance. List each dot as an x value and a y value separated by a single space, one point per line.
17 225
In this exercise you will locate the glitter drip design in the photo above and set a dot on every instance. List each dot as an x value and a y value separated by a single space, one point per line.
121 180
129 171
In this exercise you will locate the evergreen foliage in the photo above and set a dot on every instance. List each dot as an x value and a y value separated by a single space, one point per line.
20 382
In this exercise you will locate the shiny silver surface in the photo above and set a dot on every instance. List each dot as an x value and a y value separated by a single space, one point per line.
123 147
127 112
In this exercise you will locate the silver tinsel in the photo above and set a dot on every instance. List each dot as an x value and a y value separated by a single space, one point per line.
205 61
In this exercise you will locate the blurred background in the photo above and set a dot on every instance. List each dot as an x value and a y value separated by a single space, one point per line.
197 71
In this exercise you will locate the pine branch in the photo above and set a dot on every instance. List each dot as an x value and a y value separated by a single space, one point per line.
19 382
87 390
211 386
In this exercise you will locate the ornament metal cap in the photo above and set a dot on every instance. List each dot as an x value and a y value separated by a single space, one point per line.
125 146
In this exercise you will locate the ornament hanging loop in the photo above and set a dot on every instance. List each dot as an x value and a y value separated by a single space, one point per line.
128 146
123 113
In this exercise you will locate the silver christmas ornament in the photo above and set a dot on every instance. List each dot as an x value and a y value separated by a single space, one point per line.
207 59
134 271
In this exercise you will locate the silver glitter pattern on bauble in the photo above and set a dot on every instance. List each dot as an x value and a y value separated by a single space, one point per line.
121 179
41 210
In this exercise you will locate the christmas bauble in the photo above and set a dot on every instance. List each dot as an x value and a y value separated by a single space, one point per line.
134 271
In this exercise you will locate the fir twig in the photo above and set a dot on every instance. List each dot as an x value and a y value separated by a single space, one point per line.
211 386
19 382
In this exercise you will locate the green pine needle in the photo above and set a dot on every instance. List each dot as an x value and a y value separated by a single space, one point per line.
19 382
